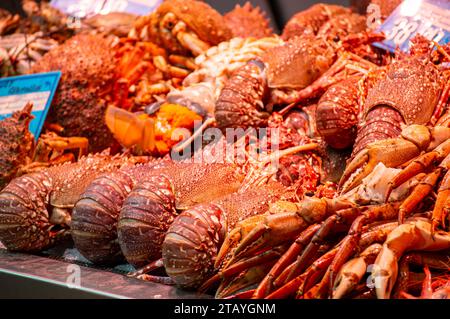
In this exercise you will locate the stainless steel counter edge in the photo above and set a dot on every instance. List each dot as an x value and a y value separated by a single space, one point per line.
30 276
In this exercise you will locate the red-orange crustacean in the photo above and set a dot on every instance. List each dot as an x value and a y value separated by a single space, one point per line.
298 70
35 209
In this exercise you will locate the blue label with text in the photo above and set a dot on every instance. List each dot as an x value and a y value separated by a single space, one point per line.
430 18
39 89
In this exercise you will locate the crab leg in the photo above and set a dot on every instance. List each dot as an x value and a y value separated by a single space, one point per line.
353 271
241 266
332 225
317 268
349 245
419 165
299 244
268 230
245 279
442 206
415 235
395 152
422 190
192 42
433 260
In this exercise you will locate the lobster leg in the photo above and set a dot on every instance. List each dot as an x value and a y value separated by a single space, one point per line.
337 72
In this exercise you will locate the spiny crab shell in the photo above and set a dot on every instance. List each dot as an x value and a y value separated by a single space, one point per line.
16 143
88 71
248 21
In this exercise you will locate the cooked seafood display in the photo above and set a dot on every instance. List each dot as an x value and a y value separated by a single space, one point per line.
210 153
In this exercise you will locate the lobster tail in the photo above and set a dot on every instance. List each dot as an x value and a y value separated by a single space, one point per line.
95 215
240 102
336 118
24 219
94 219
144 219
192 243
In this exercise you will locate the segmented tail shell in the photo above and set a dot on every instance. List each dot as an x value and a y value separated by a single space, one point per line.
95 216
144 219
191 244
26 202
336 114
194 239
24 220
94 219
240 103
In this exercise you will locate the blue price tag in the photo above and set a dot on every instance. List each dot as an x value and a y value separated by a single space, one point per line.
430 18
88 8
39 89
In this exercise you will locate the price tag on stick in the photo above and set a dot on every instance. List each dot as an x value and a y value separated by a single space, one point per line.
430 18
39 89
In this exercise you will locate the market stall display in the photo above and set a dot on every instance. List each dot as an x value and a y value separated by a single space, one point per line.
204 151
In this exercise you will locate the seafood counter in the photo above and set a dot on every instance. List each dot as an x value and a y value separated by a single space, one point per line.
210 156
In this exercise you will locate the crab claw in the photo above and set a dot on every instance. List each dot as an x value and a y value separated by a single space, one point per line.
243 281
415 235
420 165
391 152
353 271
258 232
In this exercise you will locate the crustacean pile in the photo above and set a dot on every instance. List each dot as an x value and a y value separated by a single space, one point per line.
335 183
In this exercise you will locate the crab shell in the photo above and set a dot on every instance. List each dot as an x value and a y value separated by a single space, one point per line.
310 20
87 64
208 24
297 63
248 21
16 143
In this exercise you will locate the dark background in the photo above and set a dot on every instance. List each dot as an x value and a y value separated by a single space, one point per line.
279 11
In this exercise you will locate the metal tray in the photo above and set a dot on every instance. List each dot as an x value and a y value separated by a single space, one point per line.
51 275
